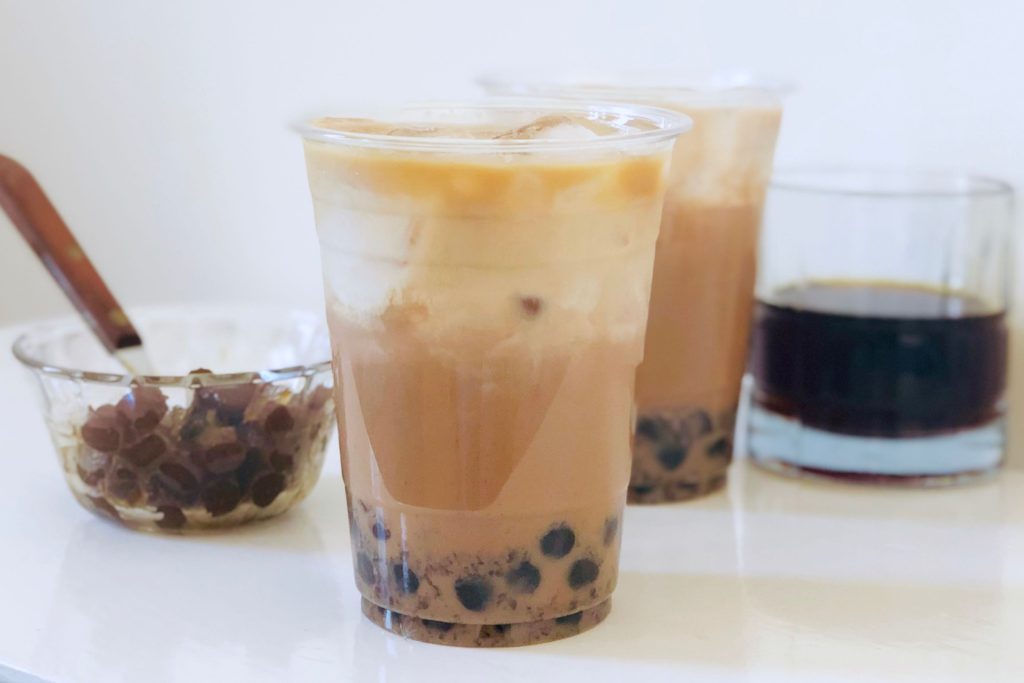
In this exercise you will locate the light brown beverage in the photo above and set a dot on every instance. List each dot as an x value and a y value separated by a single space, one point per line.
689 382
487 272
701 301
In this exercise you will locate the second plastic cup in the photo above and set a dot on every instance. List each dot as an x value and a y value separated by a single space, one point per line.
688 386
487 271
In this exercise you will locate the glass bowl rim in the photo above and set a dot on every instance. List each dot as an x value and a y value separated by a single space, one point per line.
65 325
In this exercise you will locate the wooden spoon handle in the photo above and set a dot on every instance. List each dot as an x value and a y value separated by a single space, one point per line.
42 227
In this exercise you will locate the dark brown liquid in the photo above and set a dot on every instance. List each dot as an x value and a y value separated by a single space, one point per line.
872 359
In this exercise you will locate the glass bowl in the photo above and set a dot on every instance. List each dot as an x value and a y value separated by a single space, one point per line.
191 449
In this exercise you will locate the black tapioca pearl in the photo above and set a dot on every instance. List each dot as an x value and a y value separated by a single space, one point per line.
195 422
648 428
365 569
266 488
379 531
282 462
440 626
180 476
570 619
582 573
406 578
641 489
687 487
143 452
558 542
720 447
100 432
474 592
671 457
171 517
221 497
531 306
698 423
123 485
523 578
611 528
254 465
493 631
279 420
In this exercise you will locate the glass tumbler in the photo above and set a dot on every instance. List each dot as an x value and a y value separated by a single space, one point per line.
487 273
880 337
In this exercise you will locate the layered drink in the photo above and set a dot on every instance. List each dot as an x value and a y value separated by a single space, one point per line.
487 271
688 386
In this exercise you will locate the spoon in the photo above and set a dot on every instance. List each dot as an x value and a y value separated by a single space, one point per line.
42 227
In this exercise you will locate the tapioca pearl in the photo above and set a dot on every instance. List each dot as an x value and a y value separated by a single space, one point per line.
569 619
582 573
279 420
474 592
611 528
648 428
440 626
253 467
641 489
407 580
558 542
365 569
671 457
123 486
531 306
171 517
720 447
697 424
379 531
686 486
282 462
102 430
494 631
523 578
267 488
175 481
221 497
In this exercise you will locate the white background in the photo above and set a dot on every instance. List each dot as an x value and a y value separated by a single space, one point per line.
161 128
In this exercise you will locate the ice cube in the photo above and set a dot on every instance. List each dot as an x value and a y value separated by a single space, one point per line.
558 127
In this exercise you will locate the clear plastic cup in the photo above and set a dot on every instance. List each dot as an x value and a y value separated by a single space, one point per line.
688 385
487 271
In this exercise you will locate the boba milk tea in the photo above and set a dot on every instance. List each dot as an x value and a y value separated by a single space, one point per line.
487 271
687 388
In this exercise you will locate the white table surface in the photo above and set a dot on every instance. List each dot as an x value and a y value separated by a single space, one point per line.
774 580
